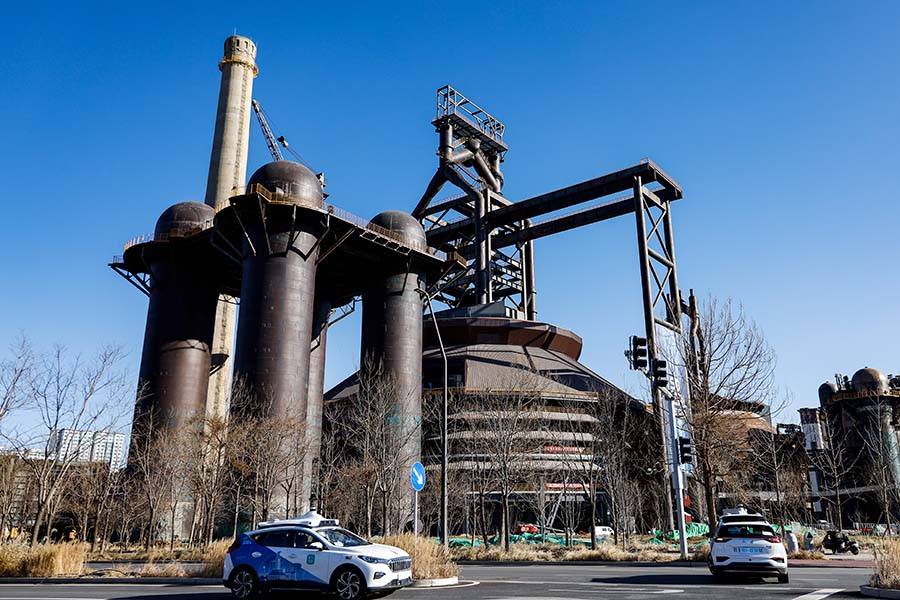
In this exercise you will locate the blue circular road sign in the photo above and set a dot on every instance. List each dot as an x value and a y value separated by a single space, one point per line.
417 476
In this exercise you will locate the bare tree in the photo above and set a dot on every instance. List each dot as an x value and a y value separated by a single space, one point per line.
780 462
63 393
155 458
835 461
377 440
210 472
14 376
880 441
11 474
510 424
271 452
728 366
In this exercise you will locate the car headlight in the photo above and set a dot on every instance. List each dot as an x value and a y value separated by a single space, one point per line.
374 560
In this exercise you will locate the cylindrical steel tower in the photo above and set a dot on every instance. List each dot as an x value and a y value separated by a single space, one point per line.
227 171
392 332
275 325
175 362
314 400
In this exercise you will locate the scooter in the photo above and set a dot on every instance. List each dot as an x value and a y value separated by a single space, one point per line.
839 542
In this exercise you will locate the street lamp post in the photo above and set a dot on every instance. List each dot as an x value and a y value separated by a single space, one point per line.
445 535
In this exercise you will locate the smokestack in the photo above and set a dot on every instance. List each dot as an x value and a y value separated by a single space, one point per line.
227 171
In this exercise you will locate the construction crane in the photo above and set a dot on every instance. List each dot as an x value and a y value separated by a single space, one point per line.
274 150
267 132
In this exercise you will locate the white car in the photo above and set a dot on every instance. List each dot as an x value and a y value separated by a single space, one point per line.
313 553
747 546
602 531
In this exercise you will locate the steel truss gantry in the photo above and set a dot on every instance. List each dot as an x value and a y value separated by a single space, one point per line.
493 237
470 152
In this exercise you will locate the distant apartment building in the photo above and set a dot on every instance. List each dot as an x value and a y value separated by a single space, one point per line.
89 446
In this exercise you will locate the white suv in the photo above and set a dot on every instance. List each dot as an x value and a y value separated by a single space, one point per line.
747 544
313 553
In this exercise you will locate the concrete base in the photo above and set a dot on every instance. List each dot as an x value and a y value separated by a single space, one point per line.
429 583
872 592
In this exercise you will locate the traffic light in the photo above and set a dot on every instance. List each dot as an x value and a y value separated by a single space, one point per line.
685 450
638 353
660 374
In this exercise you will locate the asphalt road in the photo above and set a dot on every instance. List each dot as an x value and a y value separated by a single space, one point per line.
550 582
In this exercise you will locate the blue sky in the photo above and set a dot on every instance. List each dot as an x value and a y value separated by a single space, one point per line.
779 119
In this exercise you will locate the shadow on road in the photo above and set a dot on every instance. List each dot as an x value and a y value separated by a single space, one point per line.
175 592
672 579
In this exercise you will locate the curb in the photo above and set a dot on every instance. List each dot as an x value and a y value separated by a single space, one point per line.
430 583
670 563
872 592
571 563
187 581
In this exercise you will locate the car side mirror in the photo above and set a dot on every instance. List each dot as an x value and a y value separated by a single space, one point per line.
317 546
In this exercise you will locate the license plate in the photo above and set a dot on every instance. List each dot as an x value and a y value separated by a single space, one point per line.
748 550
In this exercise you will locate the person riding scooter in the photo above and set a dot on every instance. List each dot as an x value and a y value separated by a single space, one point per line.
839 542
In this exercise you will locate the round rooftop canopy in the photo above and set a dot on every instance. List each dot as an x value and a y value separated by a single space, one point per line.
289 181
184 218
400 222
827 391
869 379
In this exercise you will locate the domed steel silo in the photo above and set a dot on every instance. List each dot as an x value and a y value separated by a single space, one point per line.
278 284
175 362
392 327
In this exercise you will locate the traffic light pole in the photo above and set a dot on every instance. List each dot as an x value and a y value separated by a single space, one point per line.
677 474
645 204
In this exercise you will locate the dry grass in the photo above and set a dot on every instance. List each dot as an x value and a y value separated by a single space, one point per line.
701 553
806 555
534 553
166 569
887 566
45 560
428 558
213 557
611 553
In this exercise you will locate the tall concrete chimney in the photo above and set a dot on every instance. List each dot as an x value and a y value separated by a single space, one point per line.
228 170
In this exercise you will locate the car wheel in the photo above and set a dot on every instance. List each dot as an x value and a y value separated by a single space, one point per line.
784 578
349 584
854 550
244 584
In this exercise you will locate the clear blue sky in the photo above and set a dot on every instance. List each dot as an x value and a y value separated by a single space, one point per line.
779 119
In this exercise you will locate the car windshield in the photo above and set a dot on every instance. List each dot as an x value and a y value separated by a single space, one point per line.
742 518
746 530
342 538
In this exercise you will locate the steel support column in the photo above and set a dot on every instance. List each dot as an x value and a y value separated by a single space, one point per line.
650 329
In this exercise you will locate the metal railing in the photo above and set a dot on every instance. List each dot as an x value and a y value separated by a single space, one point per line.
171 234
282 198
451 102
539 393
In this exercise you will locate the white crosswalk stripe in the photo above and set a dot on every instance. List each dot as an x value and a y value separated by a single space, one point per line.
818 594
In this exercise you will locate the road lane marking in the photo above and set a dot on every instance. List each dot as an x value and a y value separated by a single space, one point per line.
438 588
623 590
819 594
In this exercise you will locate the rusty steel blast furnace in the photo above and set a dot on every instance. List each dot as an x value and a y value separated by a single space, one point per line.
295 265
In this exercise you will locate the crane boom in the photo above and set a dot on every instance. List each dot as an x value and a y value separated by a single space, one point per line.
267 132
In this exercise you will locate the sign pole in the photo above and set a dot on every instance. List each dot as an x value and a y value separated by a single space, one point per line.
417 481
416 513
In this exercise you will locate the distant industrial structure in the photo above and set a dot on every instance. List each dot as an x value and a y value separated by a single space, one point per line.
295 263
856 432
